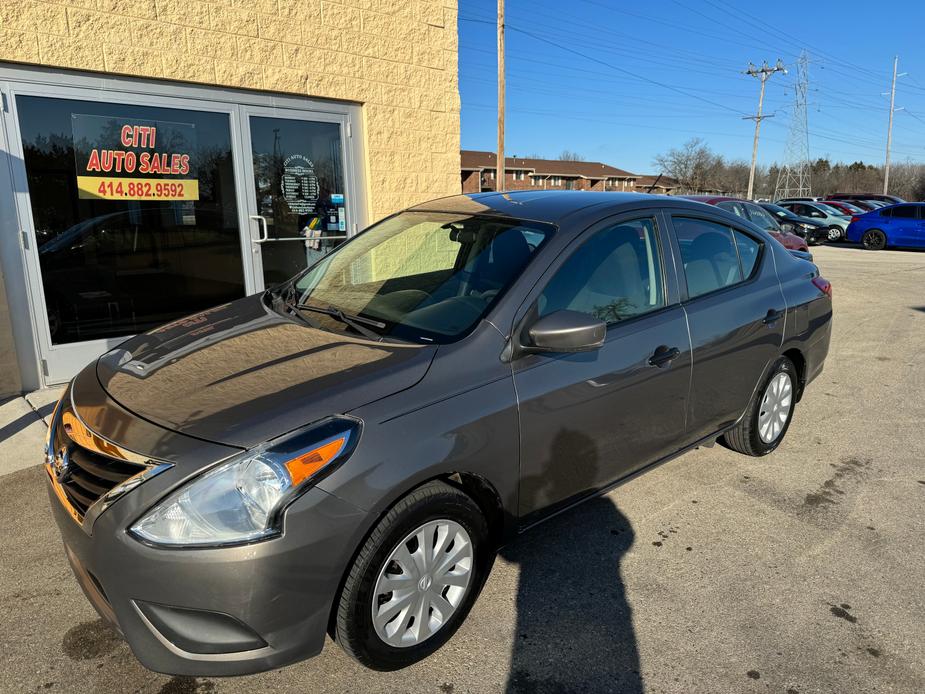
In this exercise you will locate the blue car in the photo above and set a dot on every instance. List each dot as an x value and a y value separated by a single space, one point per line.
896 225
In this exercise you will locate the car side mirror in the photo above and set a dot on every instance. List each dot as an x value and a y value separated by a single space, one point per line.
566 331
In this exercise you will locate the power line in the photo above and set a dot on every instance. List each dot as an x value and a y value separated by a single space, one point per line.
615 67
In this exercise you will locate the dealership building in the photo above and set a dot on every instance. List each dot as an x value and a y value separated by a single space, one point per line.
163 156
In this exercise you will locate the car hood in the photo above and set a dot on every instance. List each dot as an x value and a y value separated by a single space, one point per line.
240 374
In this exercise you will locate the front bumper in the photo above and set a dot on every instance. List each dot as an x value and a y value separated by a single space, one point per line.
218 611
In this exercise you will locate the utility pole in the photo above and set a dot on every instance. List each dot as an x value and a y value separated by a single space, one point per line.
889 131
499 167
762 73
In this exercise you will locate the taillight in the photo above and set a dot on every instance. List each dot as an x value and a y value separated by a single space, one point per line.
823 285
854 218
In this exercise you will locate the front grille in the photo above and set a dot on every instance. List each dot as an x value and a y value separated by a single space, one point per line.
86 474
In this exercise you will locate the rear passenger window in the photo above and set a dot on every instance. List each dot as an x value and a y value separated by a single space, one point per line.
710 256
904 211
748 253
613 276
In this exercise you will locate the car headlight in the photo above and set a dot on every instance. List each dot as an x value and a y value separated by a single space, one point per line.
242 500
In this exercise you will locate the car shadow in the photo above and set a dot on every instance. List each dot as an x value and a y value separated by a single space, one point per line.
574 624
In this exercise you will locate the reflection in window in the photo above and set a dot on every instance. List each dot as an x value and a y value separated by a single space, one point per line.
710 257
613 276
119 266
424 275
748 252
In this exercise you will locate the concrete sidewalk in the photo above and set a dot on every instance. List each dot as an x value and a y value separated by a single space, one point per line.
22 428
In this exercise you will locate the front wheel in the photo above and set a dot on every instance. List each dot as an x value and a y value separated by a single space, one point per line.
415 578
874 240
834 233
768 417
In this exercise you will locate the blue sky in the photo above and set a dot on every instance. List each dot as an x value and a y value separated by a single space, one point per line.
628 81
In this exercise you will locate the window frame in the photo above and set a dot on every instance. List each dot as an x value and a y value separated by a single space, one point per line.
686 298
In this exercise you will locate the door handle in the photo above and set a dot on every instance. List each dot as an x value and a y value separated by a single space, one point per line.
663 356
772 316
264 234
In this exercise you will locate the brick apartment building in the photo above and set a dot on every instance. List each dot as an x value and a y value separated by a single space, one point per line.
479 172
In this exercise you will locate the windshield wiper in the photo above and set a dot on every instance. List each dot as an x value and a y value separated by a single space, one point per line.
358 323
283 298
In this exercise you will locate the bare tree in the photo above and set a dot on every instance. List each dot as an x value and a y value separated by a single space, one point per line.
694 165
568 155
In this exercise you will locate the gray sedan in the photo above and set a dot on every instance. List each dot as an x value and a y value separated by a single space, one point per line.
344 454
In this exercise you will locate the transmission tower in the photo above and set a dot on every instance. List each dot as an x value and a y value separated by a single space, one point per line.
793 177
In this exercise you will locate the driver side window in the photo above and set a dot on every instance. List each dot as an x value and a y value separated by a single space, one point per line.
615 275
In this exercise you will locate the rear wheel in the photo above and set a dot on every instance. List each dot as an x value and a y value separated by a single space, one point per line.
415 579
834 233
874 240
765 424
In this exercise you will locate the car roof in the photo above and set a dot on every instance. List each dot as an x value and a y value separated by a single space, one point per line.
711 199
552 206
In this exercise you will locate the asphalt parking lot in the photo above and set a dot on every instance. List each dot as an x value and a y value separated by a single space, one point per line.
800 572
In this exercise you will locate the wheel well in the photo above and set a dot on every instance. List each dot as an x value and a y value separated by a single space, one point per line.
488 500
799 361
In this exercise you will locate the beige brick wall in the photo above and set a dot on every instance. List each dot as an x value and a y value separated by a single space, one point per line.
397 57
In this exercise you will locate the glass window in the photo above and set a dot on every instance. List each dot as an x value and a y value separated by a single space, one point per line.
613 276
422 276
903 211
135 214
709 255
813 211
299 182
748 249
761 218
731 206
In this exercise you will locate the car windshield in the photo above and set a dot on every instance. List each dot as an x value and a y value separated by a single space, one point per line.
777 209
830 209
420 276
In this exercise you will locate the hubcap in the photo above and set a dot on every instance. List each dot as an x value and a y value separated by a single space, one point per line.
775 407
834 233
422 583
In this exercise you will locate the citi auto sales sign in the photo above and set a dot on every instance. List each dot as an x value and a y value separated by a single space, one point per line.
133 159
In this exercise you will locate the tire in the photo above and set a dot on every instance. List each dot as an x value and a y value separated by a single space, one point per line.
749 435
834 234
874 240
423 509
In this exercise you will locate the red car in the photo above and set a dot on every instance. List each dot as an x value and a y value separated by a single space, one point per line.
756 215
849 208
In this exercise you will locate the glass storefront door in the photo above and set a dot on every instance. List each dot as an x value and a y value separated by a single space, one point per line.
298 200
135 217
139 207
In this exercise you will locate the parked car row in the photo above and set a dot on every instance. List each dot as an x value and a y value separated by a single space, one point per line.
794 236
875 221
